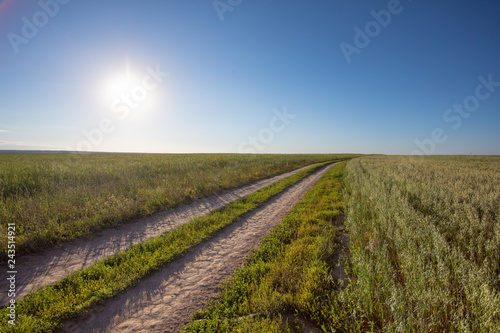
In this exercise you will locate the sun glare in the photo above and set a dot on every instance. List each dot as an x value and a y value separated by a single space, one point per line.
119 83
129 93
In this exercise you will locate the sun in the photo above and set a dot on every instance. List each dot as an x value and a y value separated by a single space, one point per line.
119 82
130 92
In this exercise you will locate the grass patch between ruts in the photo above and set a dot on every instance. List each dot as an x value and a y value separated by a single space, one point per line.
52 198
290 273
44 310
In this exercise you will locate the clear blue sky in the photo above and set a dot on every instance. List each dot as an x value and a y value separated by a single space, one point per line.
76 66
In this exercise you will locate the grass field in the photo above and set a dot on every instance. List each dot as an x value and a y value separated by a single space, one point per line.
424 254
291 272
44 310
55 197
424 251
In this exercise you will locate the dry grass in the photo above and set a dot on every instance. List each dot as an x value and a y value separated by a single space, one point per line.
56 197
45 310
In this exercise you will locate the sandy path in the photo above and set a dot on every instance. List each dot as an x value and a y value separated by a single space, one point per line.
38 270
164 301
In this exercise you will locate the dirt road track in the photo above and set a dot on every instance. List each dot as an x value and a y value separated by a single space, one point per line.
164 301
38 270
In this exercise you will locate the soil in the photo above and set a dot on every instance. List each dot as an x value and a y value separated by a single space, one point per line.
41 269
164 301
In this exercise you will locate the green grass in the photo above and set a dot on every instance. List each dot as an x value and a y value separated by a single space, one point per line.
44 310
57 197
290 273
425 244
424 255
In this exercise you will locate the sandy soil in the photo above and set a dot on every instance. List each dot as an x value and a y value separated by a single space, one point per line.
38 270
164 301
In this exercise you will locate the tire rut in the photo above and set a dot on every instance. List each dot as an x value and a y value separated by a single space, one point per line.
38 270
164 301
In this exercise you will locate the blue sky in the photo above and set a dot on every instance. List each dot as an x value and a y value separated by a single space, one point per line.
250 76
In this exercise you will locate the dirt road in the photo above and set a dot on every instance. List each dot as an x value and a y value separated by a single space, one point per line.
38 270
164 301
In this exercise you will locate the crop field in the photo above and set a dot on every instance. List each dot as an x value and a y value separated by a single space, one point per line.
425 244
424 254
249 166
367 244
44 310
55 197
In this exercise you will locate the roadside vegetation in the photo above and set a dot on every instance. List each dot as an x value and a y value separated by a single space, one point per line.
56 197
291 275
424 254
45 309
425 245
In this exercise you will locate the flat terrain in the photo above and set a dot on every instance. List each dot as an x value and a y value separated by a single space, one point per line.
39 270
379 243
164 301
52 198
425 237
286 285
424 255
